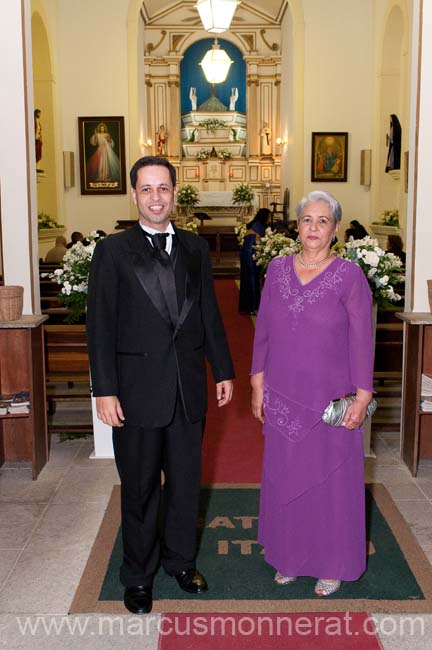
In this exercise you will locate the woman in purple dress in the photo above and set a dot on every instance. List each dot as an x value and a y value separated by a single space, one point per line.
313 344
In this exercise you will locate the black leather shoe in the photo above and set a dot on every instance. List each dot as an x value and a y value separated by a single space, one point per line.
191 581
138 600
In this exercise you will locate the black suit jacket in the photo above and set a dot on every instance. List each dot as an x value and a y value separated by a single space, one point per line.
136 352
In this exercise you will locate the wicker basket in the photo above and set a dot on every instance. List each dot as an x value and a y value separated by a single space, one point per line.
11 302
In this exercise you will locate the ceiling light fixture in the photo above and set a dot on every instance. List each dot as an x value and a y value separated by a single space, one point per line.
215 64
216 15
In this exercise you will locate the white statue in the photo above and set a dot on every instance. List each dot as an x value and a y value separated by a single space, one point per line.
233 98
193 98
265 140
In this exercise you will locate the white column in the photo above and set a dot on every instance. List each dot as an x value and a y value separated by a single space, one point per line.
419 221
17 156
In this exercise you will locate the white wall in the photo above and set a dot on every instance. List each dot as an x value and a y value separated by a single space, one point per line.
92 81
338 91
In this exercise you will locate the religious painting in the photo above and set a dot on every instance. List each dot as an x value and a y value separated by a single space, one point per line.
329 156
102 155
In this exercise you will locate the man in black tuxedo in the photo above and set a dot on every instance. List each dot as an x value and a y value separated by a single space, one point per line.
152 319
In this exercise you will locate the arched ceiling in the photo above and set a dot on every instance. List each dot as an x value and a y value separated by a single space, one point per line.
167 12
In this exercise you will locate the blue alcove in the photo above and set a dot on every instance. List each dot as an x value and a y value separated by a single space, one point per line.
191 74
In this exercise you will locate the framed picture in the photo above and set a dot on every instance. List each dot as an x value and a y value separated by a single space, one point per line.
329 156
102 155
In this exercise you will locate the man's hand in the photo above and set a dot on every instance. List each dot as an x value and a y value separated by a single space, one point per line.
109 410
224 391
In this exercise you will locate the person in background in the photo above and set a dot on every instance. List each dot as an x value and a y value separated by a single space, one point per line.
57 253
349 232
359 230
313 344
395 246
75 237
250 291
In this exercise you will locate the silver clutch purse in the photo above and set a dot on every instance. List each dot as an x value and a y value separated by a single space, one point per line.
335 411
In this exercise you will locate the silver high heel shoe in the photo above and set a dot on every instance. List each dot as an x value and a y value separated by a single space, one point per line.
326 587
283 580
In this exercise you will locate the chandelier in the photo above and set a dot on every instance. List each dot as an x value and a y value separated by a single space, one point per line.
216 15
215 64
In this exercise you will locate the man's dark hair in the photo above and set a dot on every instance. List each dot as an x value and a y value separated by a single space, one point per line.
146 161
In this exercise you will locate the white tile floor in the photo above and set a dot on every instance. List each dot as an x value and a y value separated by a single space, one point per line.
52 523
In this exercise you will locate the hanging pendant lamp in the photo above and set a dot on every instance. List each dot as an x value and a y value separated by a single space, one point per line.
216 15
215 64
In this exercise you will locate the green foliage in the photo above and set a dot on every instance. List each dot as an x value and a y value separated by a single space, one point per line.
243 193
45 222
212 124
73 277
389 218
187 196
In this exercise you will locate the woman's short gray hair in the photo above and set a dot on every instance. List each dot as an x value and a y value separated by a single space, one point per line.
320 195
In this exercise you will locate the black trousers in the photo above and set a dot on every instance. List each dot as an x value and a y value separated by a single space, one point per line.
153 535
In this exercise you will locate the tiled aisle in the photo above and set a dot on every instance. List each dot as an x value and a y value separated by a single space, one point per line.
47 528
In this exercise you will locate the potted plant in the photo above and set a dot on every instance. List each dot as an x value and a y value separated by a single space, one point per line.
73 277
46 222
187 197
243 194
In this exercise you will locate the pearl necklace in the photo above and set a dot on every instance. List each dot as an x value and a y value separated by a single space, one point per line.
312 265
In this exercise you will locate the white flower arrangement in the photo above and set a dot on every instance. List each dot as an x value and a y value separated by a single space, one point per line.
46 222
223 154
191 226
188 196
389 218
212 124
203 154
383 270
273 245
243 193
240 231
73 276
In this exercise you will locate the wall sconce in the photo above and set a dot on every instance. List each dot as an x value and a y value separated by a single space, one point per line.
216 15
147 144
281 141
365 167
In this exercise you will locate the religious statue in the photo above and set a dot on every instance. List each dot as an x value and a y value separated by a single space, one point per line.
38 134
161 141
233 98
394 144
193 98
265 134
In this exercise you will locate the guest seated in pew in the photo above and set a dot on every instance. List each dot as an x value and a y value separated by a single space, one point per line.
359 230
58 251
75 237
395 246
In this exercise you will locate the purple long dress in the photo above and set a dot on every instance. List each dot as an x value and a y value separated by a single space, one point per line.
314 344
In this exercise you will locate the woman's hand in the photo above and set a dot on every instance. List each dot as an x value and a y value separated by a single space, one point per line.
356 412
257 383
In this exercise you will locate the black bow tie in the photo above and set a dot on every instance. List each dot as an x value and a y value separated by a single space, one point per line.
159 240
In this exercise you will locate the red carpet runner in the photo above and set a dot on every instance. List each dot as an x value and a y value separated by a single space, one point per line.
232 453
233 442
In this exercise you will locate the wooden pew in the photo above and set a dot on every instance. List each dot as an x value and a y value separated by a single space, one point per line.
66 361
